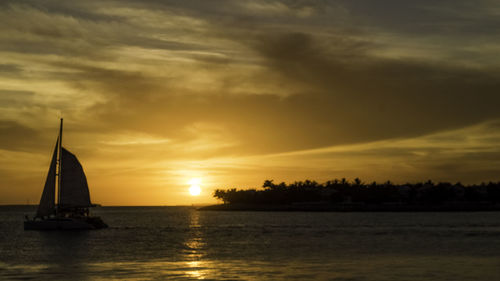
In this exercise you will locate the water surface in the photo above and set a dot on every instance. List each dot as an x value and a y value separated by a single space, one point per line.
185 244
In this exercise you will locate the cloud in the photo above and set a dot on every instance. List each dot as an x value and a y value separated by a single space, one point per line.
469 155
239 79
340 95
393 97
17 137
10 69
334 90
12 98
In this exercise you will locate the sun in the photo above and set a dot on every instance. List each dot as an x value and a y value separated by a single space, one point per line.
195 188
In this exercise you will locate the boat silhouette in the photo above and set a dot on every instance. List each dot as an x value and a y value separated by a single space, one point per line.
68 208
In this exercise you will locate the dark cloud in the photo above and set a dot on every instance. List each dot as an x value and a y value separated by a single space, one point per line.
342 93
10 69
393 97
427 16
17 137
342 96
116 83
11 98
86 11
86 30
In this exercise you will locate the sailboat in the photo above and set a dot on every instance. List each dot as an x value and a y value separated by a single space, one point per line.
69 207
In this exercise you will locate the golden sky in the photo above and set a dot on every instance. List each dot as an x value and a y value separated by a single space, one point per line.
155 93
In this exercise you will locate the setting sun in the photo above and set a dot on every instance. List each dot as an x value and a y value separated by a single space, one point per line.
195 189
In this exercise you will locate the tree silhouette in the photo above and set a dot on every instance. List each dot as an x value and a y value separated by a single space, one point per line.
341 191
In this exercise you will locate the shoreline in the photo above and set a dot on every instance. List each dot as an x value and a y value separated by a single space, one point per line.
453 207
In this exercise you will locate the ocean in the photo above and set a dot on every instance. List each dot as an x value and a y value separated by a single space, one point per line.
181 243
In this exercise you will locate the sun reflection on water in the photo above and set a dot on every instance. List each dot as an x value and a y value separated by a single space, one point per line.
196 270
195 266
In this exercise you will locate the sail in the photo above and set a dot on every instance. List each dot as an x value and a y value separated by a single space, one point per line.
74 189
46 206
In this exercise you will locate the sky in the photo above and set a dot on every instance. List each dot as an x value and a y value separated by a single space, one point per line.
157 93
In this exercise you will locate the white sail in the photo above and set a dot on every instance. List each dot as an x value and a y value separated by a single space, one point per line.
74 189
46 206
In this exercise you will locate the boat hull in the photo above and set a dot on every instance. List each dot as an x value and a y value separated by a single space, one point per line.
85 223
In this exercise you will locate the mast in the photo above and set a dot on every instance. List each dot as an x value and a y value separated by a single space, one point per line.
59 179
